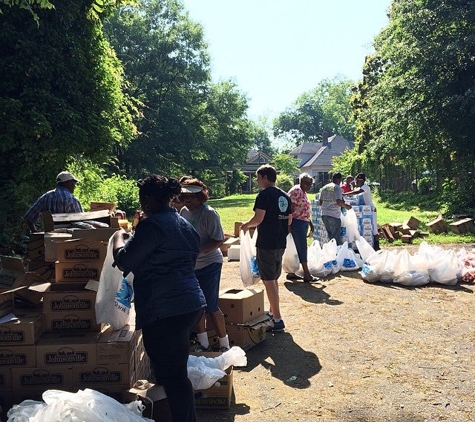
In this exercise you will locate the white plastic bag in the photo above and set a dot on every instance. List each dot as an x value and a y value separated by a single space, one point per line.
444 268
204 371
379 266
115 293
412 279
315 261
247 259
364 248
290 259
350 222
84 405
347 259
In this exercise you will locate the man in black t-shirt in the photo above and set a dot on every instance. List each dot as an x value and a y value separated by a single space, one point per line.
272 217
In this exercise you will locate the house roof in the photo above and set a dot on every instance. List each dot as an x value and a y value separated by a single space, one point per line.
318 155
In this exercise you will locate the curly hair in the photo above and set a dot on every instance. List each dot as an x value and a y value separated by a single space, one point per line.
162 188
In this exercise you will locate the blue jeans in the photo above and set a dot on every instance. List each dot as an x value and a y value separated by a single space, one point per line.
333 226
167 343
209 278
299 233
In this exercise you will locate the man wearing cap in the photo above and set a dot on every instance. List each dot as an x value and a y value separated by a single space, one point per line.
364 189
59 200
331 201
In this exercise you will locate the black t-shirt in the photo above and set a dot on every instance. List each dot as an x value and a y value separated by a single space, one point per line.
272 232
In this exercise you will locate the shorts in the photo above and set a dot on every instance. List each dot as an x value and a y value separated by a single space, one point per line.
209 278
269 262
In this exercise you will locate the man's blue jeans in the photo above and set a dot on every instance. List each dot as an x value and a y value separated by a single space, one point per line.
333 226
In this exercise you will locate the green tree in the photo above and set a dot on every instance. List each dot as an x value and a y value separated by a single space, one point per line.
60 100
417 113
324 108
190 125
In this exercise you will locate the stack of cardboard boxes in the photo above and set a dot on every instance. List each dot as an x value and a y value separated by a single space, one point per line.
55 342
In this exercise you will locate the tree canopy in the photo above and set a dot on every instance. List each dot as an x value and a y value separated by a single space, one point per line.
324 108
189 125
414 107
61 98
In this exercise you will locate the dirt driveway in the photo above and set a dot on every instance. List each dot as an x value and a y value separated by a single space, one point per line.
354 351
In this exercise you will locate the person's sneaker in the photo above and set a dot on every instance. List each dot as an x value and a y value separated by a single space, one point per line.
276 326
200 349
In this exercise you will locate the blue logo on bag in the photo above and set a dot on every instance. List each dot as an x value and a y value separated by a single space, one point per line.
125 293
349 263
254 266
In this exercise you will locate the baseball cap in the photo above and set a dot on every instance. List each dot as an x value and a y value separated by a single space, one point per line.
191 189
65 176
361 176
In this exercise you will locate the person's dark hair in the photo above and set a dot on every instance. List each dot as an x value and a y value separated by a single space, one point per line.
161 188
336 176
203 195
269 171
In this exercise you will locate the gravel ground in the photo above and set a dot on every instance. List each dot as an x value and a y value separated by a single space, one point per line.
355 351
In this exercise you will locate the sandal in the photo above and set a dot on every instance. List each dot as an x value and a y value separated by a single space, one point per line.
293 277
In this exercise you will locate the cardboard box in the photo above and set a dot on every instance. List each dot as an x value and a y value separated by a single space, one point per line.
26 330
69 297
79 250
33 294
116 346
50 221
12 273
62 349
154 399
7 300
234 253
51 240
99 206
248 335
72 322
228 243
42 268
90 376
97 234
7 401
5 379
241 305
54 377
13 277
36 245
218 396
70 307
77 271
17 356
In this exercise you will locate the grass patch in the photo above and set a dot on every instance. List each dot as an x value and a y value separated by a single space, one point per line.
392 208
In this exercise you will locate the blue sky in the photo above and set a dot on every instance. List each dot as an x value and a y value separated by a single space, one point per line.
275 50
